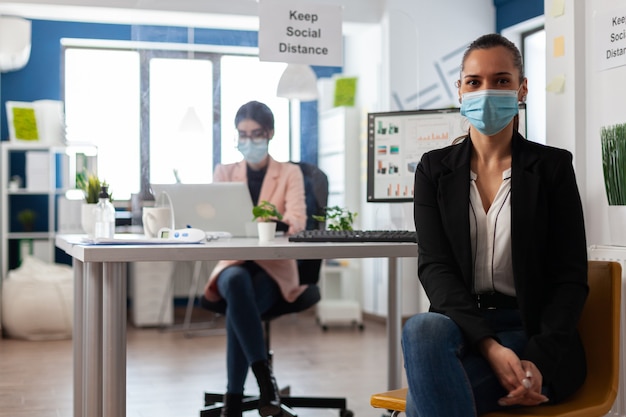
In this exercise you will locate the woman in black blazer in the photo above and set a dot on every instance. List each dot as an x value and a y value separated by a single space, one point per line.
502 257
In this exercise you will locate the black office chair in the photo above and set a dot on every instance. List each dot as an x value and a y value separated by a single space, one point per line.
316 195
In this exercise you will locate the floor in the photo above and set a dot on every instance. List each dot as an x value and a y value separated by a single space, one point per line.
168 371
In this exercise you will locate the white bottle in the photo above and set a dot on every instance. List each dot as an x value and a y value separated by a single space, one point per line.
105 215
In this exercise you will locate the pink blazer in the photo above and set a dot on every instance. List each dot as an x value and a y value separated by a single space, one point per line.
283 186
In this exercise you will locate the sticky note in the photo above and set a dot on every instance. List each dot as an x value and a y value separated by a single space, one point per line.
559 46
557 84
558 8
25 123
345 91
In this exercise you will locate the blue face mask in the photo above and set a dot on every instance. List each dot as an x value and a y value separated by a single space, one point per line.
489 111
253 152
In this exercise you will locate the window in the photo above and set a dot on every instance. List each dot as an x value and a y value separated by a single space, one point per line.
102 107
161 116
534 51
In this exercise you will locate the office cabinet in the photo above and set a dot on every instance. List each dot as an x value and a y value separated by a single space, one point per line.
151 293
340 289
34 180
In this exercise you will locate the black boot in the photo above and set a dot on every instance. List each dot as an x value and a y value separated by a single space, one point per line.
232 405
269 401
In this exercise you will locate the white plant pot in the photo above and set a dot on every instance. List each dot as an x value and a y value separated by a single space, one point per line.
617 225
267 231
88 218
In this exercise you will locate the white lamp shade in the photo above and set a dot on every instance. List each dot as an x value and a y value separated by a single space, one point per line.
15 41
298 82
191 122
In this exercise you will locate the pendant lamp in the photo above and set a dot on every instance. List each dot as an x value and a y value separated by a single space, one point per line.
190 122
15 42
298 82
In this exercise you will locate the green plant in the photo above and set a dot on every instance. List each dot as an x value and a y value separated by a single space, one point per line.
613 139
27 219
337 218
266 211
91 185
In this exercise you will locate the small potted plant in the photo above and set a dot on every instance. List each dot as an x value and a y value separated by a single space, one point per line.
265 213
337 218
91 185
27 219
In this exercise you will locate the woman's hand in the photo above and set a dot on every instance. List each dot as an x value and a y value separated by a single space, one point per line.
521 379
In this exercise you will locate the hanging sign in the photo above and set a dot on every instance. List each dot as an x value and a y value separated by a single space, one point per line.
300 32
610 39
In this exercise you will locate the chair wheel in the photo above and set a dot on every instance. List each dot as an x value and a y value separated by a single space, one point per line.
361 327
346 413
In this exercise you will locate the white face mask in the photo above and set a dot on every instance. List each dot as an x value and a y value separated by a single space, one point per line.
253 152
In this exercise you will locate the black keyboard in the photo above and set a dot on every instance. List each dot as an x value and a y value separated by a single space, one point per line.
354 236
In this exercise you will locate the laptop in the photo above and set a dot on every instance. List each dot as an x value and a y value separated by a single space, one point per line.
215 207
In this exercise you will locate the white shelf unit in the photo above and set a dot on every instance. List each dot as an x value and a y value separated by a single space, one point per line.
339 154
45 172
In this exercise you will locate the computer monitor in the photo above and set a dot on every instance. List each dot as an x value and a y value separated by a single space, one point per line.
397 140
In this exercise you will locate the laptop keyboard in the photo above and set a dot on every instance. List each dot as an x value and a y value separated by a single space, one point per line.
354 236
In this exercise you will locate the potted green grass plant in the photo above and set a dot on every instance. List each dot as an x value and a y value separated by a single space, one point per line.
91 185
613 140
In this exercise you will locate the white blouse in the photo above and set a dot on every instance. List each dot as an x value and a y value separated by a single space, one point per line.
490 234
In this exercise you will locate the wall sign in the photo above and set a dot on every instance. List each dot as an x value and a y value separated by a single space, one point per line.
610 39
300 32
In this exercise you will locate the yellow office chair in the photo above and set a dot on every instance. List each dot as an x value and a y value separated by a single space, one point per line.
600 331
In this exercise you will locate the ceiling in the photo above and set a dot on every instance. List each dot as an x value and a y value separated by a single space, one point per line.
228 14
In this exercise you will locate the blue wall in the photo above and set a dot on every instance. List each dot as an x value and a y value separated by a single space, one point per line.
41 78
512 12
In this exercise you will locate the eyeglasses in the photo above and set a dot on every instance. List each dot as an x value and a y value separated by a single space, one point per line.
257 136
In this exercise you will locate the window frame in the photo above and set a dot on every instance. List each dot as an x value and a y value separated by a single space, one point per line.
148 51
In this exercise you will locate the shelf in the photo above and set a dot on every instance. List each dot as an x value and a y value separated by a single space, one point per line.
46 173
29 235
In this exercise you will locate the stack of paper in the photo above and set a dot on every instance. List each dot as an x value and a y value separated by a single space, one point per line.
37 171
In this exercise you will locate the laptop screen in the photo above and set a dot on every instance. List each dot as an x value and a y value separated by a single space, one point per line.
220 206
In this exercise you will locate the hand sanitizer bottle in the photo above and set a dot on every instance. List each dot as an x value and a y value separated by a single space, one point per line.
105 215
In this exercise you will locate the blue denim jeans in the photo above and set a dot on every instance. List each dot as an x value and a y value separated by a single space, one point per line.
445 377
249 292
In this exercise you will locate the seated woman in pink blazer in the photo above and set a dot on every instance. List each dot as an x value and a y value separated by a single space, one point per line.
250 288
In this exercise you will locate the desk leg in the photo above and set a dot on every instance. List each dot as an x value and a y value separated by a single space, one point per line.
394 325
77 337
92 339
114 339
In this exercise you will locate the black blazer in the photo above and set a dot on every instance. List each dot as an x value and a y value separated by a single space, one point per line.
548 246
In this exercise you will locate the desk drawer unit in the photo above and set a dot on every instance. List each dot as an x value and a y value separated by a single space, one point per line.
151 293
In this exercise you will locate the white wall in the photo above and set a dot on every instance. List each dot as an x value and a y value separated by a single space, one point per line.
591 99
413 64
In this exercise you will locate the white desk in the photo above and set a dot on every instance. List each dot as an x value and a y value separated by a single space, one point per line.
99 340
